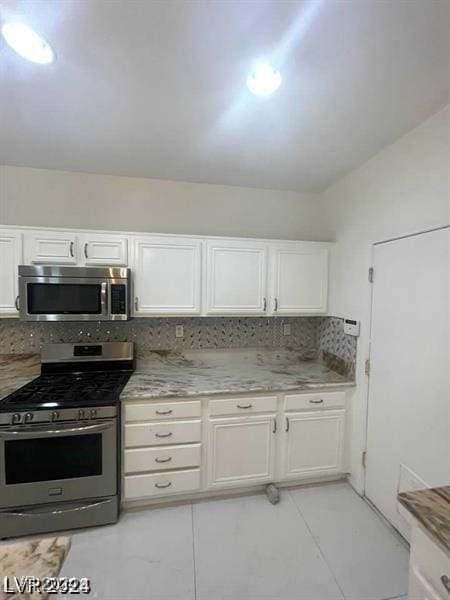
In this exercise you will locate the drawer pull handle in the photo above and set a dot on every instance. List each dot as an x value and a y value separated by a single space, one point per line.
446 582
163 485
163 435
163 460
164 412
287 424
317 401
274 430
244 405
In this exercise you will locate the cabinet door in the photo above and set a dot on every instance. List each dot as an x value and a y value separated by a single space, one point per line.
167 276
300 279
50 248
313 444
104 250
10 258
236 277
241 451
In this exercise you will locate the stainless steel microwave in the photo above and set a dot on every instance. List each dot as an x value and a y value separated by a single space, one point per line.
49 293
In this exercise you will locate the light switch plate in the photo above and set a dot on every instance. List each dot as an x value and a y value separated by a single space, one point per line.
179 331
351 327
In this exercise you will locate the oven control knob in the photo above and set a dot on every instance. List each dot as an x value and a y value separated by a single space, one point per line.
93 413
15 418
28 417
81 414
55 415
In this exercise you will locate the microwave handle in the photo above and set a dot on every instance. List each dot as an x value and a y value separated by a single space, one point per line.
104 298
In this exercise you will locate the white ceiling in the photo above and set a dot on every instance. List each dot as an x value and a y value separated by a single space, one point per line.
157 88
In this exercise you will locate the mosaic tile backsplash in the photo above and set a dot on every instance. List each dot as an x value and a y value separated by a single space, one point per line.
308 335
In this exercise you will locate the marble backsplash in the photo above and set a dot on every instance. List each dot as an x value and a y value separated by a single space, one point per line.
310 336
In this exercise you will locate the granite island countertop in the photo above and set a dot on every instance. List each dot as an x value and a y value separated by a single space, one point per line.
164 374
431 508
17 370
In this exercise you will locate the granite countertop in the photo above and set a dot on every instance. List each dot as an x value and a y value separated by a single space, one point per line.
17 370
38 558
431 507
207 372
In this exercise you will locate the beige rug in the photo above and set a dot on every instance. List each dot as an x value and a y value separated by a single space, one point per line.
39 558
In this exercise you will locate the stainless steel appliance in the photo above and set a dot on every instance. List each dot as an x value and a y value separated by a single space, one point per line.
49 293
59 441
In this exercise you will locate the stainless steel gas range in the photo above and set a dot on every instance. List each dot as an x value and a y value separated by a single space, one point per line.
59 441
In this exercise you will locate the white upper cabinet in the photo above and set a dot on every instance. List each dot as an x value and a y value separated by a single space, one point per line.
99 249
299 274
236 277
10 258
167 275
51 248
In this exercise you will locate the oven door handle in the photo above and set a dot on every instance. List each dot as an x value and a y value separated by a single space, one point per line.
36 513
39 432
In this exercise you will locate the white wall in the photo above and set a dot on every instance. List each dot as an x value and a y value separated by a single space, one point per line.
404 189
41 197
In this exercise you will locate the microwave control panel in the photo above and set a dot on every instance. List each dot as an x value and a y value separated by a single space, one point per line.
118 299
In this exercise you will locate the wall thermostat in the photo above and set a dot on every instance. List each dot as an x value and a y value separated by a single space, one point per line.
351 327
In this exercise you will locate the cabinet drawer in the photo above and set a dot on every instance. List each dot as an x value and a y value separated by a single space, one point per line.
162 410
243 406
157 434
138 460
431 560
161 484
314 400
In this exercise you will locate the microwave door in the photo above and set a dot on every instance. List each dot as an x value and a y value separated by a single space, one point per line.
63 299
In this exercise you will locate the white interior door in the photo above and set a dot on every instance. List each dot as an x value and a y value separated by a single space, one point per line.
409 397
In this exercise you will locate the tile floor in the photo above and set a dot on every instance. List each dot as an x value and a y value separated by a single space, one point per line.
319 543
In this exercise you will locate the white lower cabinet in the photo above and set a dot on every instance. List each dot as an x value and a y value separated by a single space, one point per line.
429 567
185 446
313 444
241 451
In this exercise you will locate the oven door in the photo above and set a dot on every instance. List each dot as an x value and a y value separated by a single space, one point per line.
57 462
63 299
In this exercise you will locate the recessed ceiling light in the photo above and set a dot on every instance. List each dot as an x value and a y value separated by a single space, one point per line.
265 80
28 43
